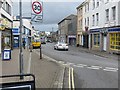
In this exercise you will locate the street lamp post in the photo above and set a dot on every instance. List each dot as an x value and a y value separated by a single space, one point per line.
21 53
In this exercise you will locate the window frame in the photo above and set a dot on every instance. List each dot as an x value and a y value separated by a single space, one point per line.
97 40
114 13
114 41
107 15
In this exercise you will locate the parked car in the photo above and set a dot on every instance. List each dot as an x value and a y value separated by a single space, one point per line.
50 41
61 46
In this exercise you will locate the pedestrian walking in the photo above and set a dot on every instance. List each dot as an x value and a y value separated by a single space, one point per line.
24 44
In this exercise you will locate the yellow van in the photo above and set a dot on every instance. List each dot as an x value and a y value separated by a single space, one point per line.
36 44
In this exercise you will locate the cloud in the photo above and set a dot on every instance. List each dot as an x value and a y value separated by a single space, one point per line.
53 12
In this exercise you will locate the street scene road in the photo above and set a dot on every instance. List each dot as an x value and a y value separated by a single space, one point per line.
59 44
90 71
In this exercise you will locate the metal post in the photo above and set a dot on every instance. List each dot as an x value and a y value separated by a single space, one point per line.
21 53
40 52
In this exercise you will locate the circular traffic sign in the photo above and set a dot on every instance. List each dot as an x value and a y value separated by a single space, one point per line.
37 7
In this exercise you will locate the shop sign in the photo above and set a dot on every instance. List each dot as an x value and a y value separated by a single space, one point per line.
3 23
6 54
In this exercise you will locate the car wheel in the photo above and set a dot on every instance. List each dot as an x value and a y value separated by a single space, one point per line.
57 48
66 49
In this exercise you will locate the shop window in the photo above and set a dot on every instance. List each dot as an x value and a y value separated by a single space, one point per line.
115 41
96 39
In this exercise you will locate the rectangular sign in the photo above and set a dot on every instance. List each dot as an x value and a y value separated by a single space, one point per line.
6 54
37 11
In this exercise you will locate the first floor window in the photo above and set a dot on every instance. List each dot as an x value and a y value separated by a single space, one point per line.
97 39
115 41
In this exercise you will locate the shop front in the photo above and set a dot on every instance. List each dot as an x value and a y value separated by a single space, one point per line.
114 40
6 39
95 39
72 40
16 34
105 39
5 34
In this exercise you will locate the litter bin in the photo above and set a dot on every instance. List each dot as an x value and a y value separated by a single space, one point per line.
6 54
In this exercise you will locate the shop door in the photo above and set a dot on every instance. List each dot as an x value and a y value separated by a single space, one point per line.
105 43
16 43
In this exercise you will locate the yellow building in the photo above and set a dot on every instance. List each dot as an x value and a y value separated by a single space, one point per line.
79 24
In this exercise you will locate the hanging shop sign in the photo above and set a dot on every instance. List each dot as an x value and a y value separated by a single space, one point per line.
3 23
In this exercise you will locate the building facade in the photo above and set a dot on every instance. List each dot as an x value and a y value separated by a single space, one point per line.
26 32
6 24
79 25
67 29
101 20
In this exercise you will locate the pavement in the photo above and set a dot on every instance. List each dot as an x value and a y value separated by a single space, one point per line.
48 74
98 53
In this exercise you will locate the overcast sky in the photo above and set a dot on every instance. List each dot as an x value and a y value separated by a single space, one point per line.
53 12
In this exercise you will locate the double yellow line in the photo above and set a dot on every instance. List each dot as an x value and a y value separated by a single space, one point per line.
71 79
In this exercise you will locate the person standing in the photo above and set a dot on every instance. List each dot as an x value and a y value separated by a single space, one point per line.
24 44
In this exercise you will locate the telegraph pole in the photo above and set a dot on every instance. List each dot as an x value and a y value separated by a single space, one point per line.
21 53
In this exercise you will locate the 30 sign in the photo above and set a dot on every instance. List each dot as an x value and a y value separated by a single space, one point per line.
37 11
36 7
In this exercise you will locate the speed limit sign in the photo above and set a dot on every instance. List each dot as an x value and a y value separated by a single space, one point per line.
36 7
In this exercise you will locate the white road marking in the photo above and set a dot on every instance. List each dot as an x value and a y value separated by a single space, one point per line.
110 70
96 66
78 66
93 68
70 63
81 65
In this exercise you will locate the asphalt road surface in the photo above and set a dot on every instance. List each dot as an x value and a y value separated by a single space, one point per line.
90 71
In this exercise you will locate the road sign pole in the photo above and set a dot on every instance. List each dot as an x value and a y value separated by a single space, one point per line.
40 52
21 53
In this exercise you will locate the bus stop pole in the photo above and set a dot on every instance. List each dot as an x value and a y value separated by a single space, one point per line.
21 53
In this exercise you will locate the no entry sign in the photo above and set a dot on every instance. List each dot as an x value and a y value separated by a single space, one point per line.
36 7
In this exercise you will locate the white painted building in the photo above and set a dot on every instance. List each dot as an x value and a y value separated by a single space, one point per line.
101 21
26 31
5 24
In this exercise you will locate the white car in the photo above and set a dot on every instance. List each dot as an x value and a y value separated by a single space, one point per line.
61 46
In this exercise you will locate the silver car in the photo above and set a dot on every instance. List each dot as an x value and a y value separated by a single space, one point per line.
61 46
